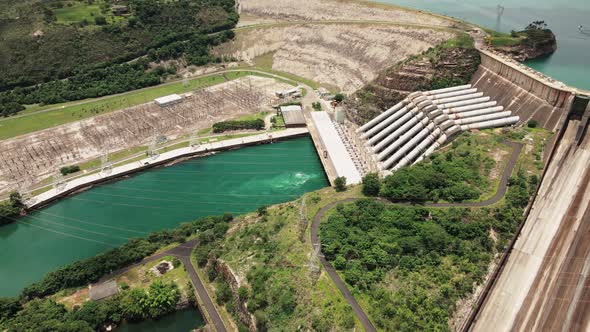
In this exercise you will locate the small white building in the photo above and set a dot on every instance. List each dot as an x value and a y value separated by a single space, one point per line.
168 100
293 116
288 93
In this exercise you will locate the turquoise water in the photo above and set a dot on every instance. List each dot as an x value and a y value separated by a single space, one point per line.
106 216
569 64
179 321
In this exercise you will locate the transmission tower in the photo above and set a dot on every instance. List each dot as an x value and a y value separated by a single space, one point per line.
59 182
194 142
153 147
302 220
105 165
499 13
314 260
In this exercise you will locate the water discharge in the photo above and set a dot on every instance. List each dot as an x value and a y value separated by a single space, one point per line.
568 64
96 220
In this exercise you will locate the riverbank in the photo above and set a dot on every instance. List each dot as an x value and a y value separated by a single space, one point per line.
158 160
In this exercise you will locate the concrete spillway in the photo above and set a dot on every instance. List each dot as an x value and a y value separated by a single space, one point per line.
418 125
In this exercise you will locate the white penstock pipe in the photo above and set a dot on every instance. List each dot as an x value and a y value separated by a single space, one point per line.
470 107
383 133
409 145
399 131
476 112
464 103
382 116
396 115
402 139
444 90
453 94
417 150
458 98
483 118
491 124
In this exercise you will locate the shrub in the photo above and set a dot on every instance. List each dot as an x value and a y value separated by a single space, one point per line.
340 183
371 184
220 127
262 211
243 293
69 169
532 123
100 20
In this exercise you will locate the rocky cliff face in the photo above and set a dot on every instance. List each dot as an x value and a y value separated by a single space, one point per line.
541 43
241 308
436 68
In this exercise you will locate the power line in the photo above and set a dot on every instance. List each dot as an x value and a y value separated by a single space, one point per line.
168 200
202 193
91 223
78 228
62 233
150 207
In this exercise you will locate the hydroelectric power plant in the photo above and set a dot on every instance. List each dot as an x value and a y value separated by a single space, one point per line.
414 128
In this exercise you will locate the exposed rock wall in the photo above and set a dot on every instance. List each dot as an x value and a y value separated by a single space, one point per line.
241 307
434 69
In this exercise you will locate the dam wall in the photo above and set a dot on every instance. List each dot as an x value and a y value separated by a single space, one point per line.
523 93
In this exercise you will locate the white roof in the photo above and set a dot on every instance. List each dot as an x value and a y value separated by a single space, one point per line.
336 150
168 99
290 108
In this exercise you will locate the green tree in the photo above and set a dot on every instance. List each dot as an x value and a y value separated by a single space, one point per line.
162 298
371 184
340 183
338 97
134 304
243 293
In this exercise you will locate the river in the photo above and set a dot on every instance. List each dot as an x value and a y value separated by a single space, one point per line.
96 220
568 64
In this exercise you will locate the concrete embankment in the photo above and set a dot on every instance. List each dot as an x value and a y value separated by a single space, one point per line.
82 182
522 93
543 282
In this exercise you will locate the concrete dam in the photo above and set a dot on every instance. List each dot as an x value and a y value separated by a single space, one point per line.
542 283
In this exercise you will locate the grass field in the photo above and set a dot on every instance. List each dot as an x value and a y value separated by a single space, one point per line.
78 12
79 110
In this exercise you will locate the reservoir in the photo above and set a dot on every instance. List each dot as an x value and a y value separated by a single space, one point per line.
107 215
568 64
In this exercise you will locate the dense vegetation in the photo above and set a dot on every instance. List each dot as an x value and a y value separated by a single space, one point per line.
412 263
30 311
220 127
91 269
10 208
69 169
94 58
457 174
278 287
132 304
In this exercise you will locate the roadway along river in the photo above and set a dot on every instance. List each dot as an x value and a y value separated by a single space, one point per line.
98 219
568 64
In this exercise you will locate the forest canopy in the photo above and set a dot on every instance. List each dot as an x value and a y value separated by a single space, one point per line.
95 59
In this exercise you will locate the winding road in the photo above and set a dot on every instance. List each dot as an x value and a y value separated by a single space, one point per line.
183 253
341 285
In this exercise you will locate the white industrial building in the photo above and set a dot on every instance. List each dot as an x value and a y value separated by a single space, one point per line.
338 153
168 100
411 130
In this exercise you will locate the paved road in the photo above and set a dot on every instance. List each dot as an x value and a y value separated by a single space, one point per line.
356 308
315 241
183 253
